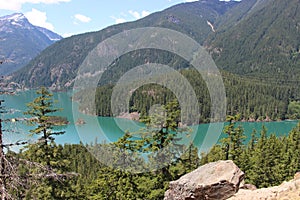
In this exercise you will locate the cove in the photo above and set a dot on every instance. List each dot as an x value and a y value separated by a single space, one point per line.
103 129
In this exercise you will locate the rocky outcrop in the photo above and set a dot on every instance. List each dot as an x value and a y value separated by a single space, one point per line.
132 116
213 181
224 180
286 191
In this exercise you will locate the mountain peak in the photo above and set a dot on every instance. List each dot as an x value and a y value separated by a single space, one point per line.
14 17
14 20
20 41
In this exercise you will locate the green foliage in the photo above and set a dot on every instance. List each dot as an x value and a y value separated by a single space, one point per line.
165 161
255 47
45 152
253 100
40 110
232 145
266 160
294 110
113 184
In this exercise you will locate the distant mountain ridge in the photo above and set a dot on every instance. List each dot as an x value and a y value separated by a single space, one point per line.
255 38
56 66
20 41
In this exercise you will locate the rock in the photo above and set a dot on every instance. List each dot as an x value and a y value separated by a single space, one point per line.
286 191
248 187
297 176
213 181
80 121
132 116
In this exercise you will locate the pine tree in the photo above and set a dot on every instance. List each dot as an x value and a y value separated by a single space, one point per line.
256 175
40 110
292 154
46 151
233 143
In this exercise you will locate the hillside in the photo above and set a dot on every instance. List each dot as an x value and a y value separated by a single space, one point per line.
256 38
57 65
20 41
263 41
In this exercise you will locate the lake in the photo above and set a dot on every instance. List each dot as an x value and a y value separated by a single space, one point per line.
109 129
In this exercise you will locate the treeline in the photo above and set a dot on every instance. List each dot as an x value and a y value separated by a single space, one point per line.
267 161
253 99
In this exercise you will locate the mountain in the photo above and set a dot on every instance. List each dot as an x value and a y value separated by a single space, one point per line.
20 41
51 35
57 65
262 41
255 38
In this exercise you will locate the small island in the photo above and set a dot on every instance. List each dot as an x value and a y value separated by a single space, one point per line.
58 121
54 120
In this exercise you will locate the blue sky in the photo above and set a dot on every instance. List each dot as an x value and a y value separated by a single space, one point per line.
67 17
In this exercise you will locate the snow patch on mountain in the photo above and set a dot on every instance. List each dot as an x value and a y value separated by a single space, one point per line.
211 26
14 17
50 35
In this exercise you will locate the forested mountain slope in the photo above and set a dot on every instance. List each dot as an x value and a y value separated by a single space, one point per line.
255 38
57 65
265 42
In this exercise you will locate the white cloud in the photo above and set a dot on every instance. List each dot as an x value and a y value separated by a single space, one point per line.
82 18
16 5
39 18
138 15
119 20
10 5
135 14
191 0
65 35
145 13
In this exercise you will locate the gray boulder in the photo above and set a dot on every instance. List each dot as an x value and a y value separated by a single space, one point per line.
213 181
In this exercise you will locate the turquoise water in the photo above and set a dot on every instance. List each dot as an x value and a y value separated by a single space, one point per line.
107 129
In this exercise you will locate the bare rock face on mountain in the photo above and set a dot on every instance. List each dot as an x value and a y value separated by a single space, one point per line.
213 181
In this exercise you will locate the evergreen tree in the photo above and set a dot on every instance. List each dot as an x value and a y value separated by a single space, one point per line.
45 151
291 155
233 143
256 175
40 110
